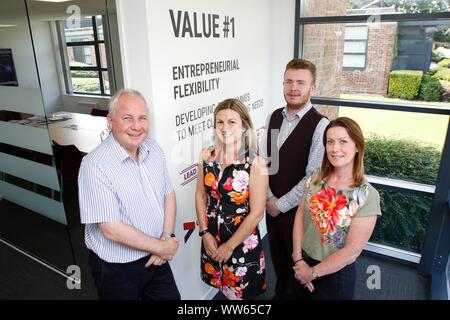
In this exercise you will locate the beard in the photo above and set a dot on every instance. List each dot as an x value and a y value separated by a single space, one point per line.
299 101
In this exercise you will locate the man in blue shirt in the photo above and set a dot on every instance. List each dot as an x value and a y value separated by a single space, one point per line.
128 205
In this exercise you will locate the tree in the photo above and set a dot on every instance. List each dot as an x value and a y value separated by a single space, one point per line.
419 6
357 4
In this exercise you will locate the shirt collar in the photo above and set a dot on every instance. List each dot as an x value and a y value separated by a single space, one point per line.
121 154
300 114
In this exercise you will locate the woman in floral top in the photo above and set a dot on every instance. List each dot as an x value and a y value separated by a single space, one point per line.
336 217
230 201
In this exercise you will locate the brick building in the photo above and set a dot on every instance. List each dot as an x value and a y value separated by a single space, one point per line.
371 75
323 45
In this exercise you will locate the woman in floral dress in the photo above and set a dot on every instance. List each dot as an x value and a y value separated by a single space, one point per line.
230 201
336 217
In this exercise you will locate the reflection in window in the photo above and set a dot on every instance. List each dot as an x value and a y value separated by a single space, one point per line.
368 7
87 57
355 46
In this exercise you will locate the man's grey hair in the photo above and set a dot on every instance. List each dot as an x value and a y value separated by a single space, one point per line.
116 97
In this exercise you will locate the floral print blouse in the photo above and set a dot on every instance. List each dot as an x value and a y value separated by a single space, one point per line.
329 212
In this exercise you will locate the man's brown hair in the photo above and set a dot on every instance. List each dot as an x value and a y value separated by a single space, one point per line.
302 64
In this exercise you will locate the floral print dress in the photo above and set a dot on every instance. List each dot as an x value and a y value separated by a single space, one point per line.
243 275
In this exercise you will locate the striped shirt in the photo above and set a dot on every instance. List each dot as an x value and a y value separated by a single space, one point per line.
114 187
292 198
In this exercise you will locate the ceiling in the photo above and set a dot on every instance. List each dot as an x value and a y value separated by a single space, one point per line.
13 11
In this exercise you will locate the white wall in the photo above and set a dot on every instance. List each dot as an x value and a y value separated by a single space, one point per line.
282 46
263 45
46 62
18 39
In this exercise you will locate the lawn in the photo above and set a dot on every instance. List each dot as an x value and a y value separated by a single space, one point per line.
427 128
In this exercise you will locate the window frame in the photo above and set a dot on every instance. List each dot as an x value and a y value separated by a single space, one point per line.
366 47
97 68
436 245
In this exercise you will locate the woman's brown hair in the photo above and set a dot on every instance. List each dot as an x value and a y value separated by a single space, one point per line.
237 106
355 133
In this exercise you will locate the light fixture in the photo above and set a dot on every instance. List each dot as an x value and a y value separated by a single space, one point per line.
7 25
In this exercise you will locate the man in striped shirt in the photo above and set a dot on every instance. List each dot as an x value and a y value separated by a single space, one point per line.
128 206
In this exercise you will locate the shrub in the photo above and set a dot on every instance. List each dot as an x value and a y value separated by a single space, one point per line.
404 159
88 85
404 84
430 89
445 84
83 74
446 95
444 63
405 216
404 220
442 74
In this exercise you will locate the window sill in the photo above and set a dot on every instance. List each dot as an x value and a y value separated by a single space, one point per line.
106 98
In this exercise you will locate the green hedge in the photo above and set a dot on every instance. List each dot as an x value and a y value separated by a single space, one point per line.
405 216
442 74
83 74
444 63
88 85
430 89
404 84
405 159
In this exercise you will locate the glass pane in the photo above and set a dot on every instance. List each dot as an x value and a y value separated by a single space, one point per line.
99 22
106 82
79 30
81 56
33 217
401 145
354 61
316 8
85 81
355 46
356 32
404 220
391 48
103 60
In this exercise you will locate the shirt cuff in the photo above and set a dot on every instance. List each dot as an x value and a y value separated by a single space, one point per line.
283 205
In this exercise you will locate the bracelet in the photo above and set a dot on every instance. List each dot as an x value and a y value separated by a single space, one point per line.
295 262
203 232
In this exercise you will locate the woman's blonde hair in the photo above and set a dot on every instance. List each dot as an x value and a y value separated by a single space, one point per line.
237 106
355 133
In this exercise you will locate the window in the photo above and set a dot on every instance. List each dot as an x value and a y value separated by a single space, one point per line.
355 47
407 141
86 56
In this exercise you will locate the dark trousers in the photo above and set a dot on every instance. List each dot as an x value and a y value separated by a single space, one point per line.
280 239
133 281
336 286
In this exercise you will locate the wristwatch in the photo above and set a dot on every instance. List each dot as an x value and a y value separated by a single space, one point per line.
167 235
203 232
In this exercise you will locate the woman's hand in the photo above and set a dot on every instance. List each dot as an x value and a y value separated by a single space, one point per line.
303 274
223 253
210 245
